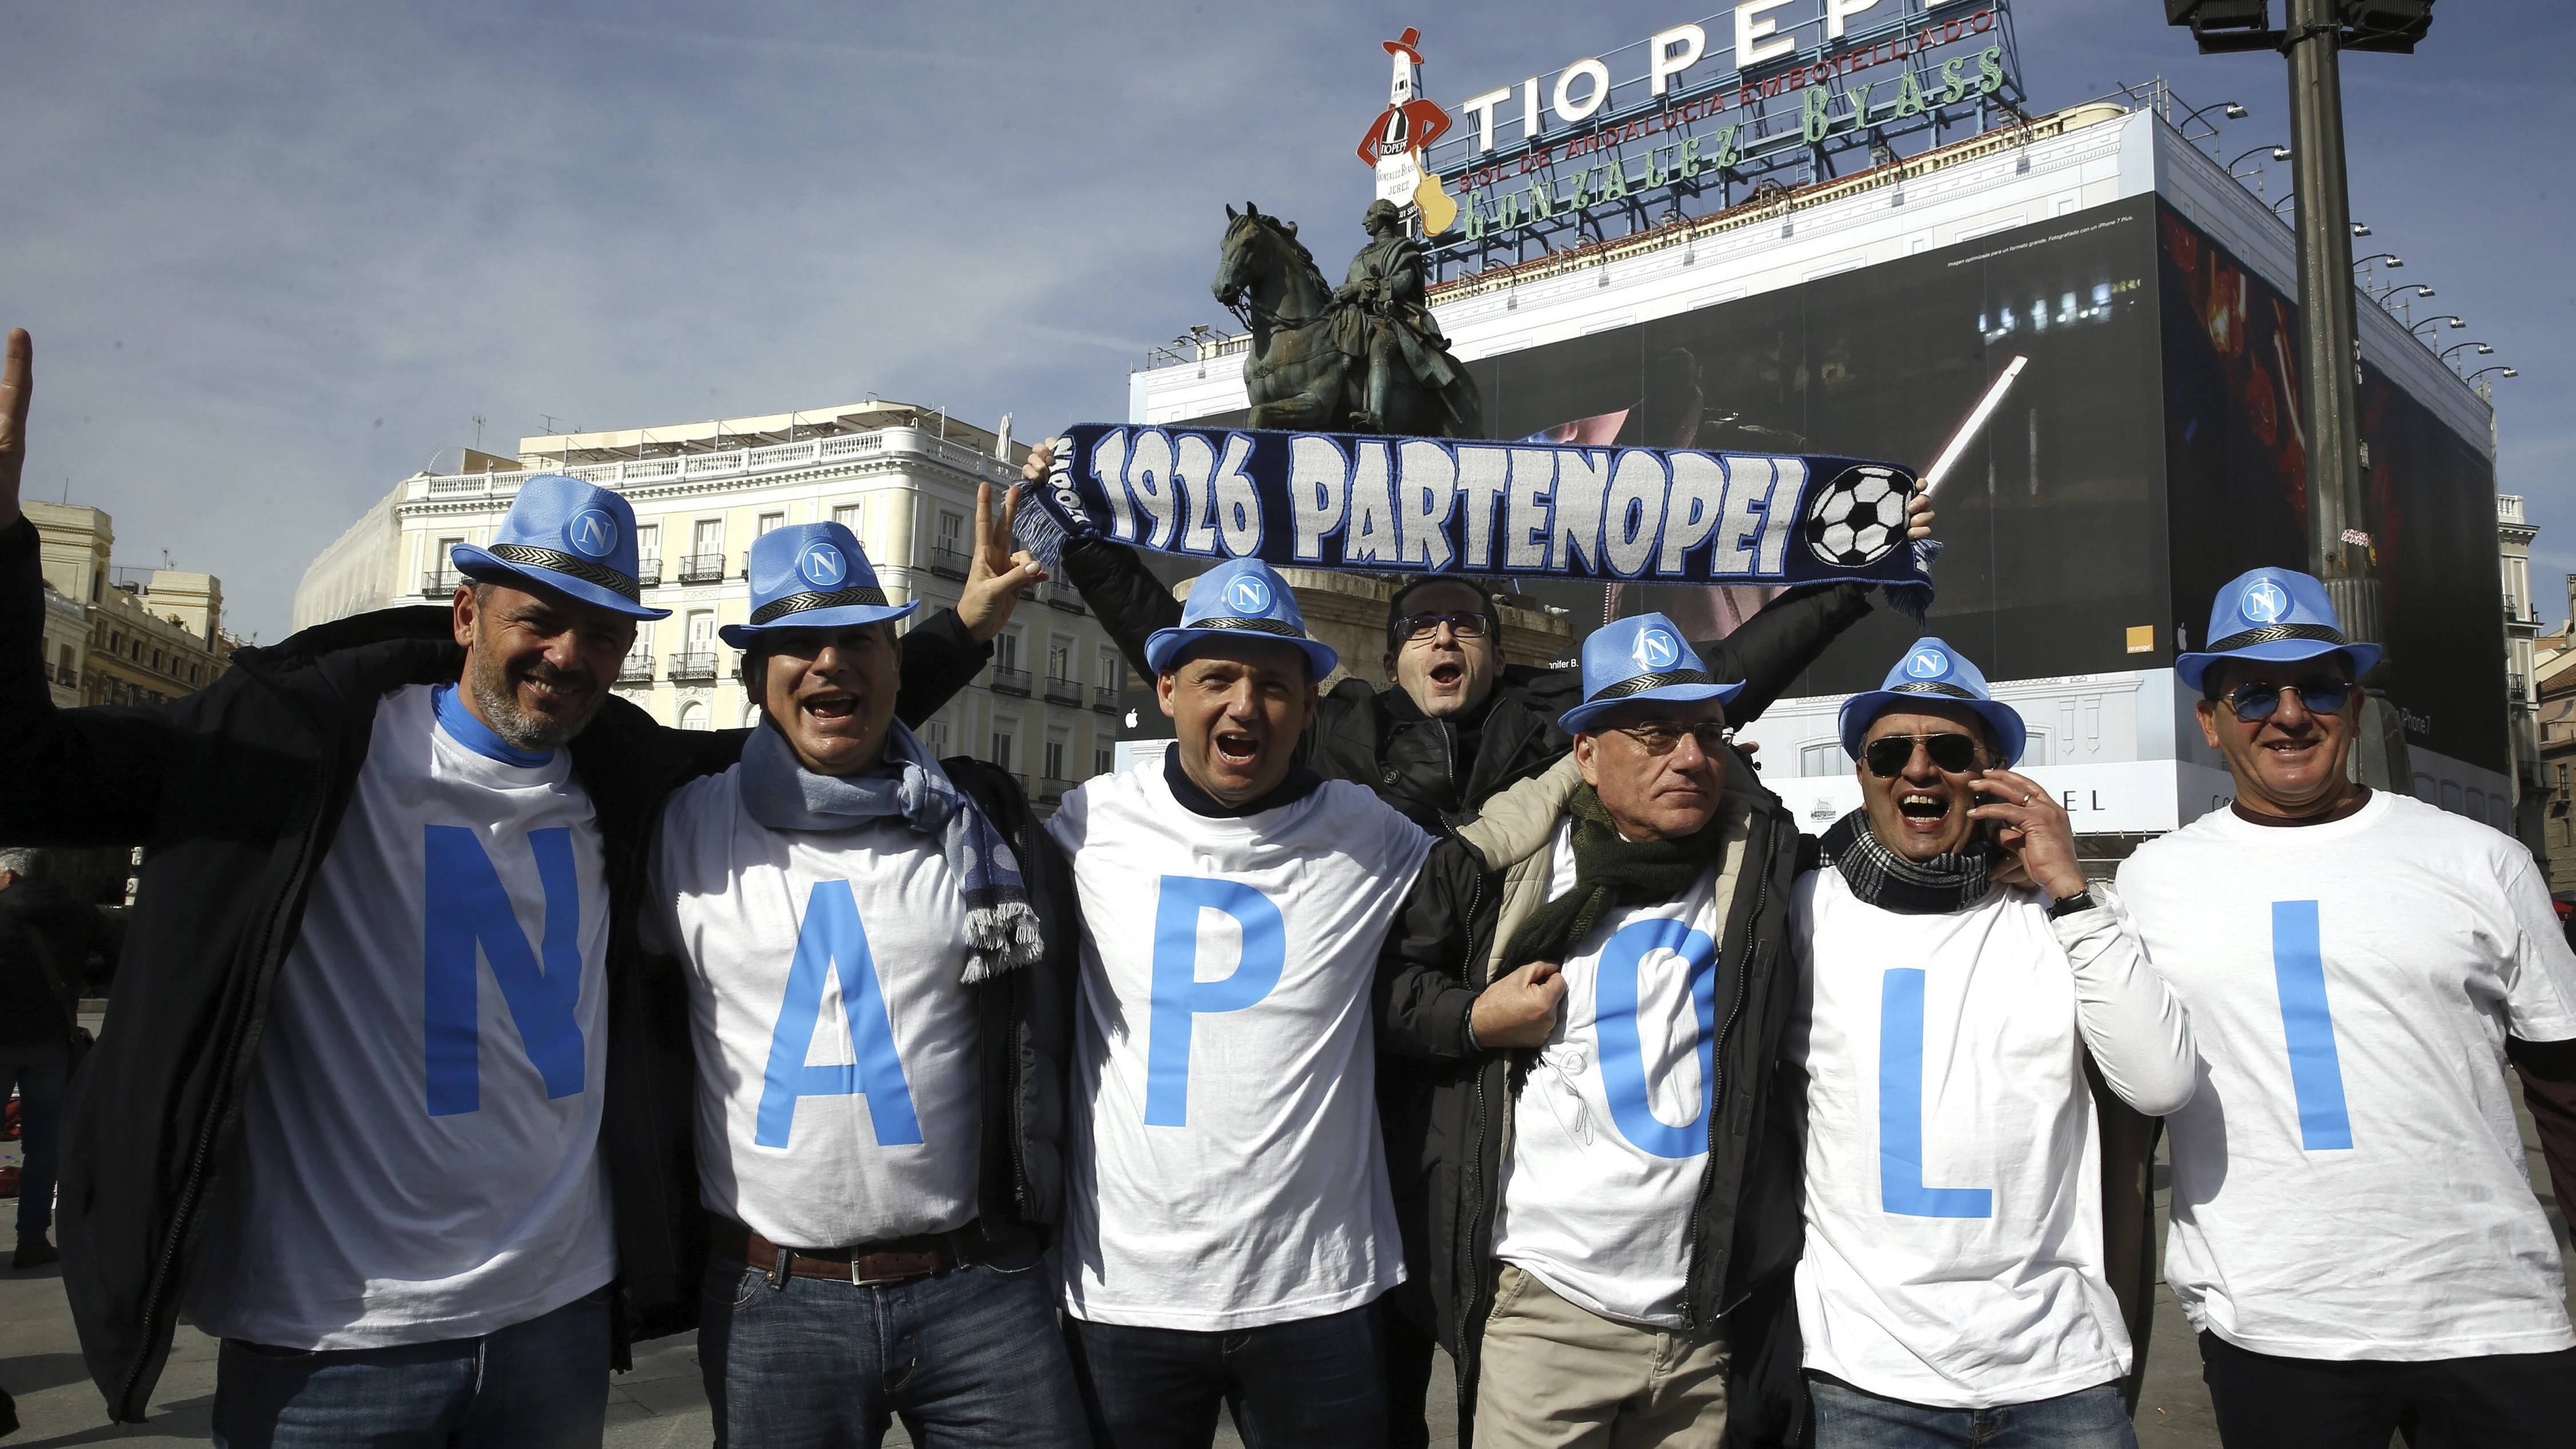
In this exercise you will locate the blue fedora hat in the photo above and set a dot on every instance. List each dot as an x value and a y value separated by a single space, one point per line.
1238 599
1932 673
811 576
1643 656
2278 615
568 536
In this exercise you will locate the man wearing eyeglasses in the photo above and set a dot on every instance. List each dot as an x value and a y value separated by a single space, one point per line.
1953 1287
2354 1232
1593 975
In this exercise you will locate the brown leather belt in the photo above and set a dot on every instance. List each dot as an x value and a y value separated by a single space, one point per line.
891 1260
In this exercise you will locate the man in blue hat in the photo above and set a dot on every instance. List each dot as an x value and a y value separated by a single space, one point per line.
874 1203
389 1105
1595 973
2354 1232
1954 1286
1230 1227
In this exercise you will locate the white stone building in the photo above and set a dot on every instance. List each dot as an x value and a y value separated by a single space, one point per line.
902 478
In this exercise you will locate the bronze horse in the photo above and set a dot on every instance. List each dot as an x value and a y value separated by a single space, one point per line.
1308 367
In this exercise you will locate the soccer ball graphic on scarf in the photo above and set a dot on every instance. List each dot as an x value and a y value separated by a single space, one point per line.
1858 517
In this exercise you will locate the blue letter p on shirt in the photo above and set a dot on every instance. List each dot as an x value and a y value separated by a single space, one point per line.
1178 993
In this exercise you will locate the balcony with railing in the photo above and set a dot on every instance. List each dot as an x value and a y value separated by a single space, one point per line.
697 666
1062 595
1051 788
1007 680
774 458
948 562
1107 699
638 669
439 583
1064 691
648 570
702 568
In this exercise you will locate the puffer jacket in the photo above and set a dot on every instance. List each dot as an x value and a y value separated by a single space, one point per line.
1447 1152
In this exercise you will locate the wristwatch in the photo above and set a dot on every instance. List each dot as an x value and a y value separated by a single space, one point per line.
2080 901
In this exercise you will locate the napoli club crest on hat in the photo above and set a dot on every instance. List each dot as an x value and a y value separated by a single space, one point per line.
1643 657
1239 598
811 576
568 536
2276 615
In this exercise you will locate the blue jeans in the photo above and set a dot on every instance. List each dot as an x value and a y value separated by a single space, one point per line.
971 1359
38 1072
542 1384
1311 1381
1847 1418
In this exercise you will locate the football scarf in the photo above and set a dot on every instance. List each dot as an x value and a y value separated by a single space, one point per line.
1435 505
1002 930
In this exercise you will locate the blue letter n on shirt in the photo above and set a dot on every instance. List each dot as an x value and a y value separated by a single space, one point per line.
832 944
464 906
1900 1110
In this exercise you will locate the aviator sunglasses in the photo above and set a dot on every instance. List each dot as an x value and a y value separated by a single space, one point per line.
1888 755
2259 701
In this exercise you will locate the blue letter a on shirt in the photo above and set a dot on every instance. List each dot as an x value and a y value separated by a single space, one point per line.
832 945
465 905
1178 993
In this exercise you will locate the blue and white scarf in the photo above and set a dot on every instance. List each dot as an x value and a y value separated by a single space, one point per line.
1439 505
1001 928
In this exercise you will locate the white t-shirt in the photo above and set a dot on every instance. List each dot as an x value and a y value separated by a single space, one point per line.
1953 1158
837 1100
420 1136
1228 1170
2349 1183
1610 1132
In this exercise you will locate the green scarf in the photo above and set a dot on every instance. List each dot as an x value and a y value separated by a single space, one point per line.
1610 871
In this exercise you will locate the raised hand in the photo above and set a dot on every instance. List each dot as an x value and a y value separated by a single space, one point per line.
998 574
2033 830
17 388
1918 516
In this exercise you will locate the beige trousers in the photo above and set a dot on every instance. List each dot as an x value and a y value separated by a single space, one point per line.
1560 1377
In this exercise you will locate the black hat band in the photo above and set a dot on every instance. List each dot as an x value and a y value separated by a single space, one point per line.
564 563
1929 686
2275 633
801 603
1279 627
1644 682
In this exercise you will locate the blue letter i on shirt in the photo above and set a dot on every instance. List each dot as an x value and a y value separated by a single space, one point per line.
2307 1026
831 944
1900 1110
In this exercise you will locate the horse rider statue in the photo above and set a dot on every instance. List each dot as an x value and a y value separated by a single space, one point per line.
1385 319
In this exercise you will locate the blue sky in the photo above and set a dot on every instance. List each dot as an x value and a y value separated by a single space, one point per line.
278 256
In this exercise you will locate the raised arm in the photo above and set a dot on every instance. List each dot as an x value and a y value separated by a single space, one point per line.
1114 581
1781 641
67 777
945 651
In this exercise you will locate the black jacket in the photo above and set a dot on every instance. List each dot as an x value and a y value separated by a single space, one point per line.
1420 765
236 792
1446 1148
72 930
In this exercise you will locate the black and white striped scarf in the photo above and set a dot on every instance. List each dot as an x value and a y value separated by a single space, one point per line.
1888 880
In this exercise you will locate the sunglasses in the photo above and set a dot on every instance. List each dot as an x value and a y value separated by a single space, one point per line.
1414 627
1888 755
2259 701
1663 736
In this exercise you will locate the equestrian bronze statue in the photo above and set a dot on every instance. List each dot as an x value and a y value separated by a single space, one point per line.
1365 358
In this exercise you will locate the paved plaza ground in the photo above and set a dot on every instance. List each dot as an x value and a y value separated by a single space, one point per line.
662 1404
